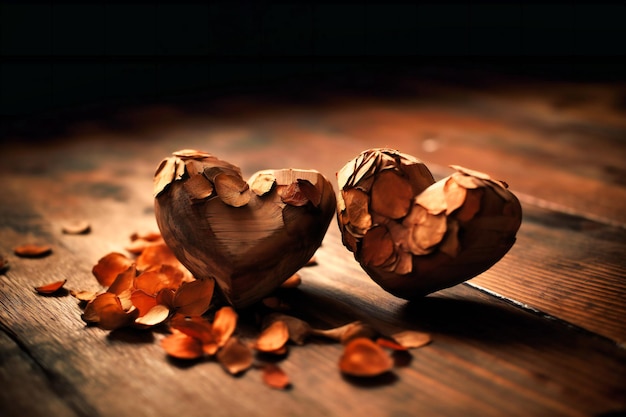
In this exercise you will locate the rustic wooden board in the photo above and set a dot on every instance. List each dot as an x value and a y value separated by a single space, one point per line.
490 355
487 358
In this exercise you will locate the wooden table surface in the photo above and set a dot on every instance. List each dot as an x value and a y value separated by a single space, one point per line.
542 333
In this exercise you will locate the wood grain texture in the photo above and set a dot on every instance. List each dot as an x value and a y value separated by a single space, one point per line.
489 356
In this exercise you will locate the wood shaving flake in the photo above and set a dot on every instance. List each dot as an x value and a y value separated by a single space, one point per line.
182 346
364 358
273 338
109 267
76 227
275 377
292 282
235 357
32 250
411 339
156 315
50 288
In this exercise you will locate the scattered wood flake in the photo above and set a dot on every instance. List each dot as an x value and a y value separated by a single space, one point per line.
124 280
107 312
143 302
364 358
150 236
182 346
273 338
32 250
156 315
194 298
391 344
411 339
298 329
137 246
275 377
224 325
155 255
51 287
347 332
109 267
76 227
292 282
235 356
198 328
157 278
82 295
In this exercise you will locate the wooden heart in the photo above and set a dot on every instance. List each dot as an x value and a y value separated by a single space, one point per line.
248 236
414 236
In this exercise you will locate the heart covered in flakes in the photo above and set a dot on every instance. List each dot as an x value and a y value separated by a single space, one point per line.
414 236
249 236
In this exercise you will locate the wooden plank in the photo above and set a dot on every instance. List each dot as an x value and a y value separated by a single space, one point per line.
36 395
488 357
566 266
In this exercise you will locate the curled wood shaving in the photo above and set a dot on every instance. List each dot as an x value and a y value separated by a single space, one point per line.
275 377
50 288
224 325
231 189
83 295
294 196
391 195
107 312
273 338
235 356
182 346
199 187
143 302
347 332
297 329
194 298
110 266
262 183
76 227
411 339
156 315
364 358
32 250
198 328
124 280
292 282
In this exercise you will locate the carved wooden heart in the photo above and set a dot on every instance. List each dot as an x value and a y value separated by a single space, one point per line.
414 236
249 236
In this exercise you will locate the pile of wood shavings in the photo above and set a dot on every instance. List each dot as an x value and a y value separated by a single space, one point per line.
152 288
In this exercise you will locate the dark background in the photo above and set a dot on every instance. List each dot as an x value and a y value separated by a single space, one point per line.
62 61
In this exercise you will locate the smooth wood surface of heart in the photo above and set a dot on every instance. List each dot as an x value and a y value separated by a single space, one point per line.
250 249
